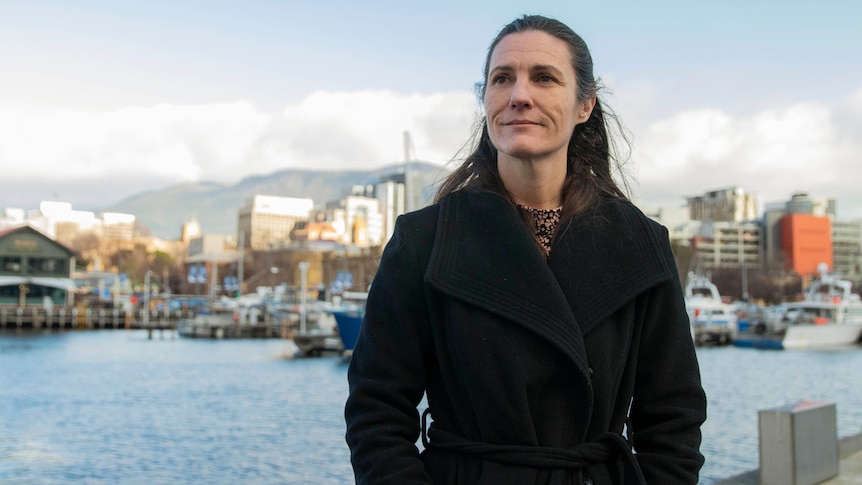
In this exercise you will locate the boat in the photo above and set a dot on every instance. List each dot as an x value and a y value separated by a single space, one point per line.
348 314
207 325
712 320
829 315
317 335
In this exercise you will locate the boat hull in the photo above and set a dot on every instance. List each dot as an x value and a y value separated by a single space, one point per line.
820 336
314 344
805 337
348 323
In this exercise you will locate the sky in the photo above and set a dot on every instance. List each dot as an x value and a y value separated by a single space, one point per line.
101 100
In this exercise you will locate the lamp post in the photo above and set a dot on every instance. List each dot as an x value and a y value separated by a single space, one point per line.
303 268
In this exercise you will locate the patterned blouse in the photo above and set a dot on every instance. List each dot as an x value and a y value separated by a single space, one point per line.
546 223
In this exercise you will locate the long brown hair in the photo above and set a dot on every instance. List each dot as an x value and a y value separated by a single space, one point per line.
590 151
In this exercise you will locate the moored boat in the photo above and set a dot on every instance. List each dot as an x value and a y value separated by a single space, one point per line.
348 316
830 315
712 320
317 332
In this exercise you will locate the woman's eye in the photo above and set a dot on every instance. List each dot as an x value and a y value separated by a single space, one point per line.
546 78
499 79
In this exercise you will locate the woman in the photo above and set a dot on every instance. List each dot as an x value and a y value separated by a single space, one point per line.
539 310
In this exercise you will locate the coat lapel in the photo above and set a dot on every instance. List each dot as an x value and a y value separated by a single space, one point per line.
485 256
604 258
600 260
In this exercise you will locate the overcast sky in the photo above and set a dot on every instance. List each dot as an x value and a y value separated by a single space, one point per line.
101 99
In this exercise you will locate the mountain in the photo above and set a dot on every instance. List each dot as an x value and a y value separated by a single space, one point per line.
216 206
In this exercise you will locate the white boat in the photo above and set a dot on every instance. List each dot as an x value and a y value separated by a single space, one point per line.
712 320
829 316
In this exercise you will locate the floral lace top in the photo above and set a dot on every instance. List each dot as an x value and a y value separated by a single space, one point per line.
546 223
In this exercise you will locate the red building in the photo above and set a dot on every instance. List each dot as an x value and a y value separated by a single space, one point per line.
806 241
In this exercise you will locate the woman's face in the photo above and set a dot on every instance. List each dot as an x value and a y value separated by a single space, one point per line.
530 97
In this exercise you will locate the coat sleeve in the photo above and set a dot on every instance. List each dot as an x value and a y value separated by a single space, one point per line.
387 372
669 404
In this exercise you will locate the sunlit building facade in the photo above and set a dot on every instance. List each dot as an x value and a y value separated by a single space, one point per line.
266 221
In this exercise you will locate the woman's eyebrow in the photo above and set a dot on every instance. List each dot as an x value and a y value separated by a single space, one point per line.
545 67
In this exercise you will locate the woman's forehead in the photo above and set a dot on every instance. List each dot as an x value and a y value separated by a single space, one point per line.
531 47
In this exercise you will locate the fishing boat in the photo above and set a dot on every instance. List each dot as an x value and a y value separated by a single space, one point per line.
712 320
830 315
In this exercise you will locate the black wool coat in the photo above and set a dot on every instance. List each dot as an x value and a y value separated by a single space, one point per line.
531 365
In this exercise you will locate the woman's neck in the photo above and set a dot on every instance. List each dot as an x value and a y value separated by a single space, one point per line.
536 184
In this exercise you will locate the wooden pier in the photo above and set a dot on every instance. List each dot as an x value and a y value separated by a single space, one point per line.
37 317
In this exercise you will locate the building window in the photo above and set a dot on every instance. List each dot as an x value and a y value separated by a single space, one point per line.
10 264
47 266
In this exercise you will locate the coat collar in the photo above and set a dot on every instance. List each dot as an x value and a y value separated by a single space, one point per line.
484 255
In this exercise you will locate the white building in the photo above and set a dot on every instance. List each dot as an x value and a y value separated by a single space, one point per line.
61 222
267 221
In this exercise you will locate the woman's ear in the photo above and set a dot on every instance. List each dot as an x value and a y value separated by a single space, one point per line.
585 109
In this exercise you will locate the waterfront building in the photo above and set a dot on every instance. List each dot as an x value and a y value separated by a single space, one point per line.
357 220
60 221
399 193
806 241
266 221
847 248
34 268
681 229
190 230
802 203
391 193
315 231
210 264
118 226
773 259
727 244
12 217
837 243
730 204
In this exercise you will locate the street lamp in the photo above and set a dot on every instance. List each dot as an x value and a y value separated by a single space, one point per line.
303 268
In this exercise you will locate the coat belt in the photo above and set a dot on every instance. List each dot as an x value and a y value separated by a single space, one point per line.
603 448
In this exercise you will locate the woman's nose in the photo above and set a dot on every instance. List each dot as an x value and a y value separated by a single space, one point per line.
520 95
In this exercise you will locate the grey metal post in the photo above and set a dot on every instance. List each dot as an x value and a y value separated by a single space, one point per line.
798 443
147 297
303 268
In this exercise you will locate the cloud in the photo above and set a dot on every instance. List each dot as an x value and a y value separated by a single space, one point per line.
346 130
223 142
182 143
77 155
803 147
63 152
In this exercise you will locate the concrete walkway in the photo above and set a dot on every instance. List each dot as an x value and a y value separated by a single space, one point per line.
849 470
849 466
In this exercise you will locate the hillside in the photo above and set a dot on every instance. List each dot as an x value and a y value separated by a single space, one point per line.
215 206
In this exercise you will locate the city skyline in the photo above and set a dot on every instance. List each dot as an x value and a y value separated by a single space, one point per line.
102 100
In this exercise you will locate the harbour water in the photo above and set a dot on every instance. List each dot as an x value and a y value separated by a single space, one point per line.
112 407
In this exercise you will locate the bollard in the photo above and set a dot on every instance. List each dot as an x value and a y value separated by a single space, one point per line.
798 443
